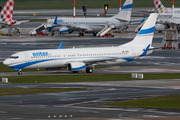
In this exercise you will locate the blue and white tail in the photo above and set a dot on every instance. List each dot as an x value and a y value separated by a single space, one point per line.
145 36
125 12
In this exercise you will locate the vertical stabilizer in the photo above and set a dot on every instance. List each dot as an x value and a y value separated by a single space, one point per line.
158 4
125 12
159 7
7 11
145 36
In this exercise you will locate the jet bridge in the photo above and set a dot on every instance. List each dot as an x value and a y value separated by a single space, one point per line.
40 28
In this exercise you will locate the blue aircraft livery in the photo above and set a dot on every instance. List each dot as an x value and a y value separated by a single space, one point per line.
40 54
59 20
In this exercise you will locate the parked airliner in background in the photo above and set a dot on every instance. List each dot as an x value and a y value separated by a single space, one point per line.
159 8
77 59
6 15
98 25
167 20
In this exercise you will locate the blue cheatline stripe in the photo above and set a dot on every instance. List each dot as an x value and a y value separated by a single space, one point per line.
126 7
79 68
128 59
145 52
64 31
23 65
146 31
50 28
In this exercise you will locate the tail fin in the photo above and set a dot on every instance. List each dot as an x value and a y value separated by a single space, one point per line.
6 13
159 8
158 4
125 12
145 36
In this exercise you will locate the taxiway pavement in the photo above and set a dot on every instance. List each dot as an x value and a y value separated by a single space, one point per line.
86 104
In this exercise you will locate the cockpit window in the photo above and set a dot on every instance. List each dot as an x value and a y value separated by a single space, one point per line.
14 57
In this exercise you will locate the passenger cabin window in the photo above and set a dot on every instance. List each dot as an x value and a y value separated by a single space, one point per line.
14 57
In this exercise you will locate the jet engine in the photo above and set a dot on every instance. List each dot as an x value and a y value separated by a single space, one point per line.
160 27
76 66
65 30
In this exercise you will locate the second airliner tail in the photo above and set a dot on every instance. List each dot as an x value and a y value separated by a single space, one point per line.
125 12
7 12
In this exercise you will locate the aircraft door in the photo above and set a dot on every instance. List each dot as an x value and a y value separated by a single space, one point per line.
26 55
133 52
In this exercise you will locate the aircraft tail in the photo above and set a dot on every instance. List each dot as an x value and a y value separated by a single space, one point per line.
7 11
125 12
145 36
158 4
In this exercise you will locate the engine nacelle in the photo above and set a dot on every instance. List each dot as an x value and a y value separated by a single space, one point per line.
160 27
65 30
76 66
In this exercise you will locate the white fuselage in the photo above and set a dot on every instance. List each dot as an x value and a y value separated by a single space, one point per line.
90 24
169 17
54 58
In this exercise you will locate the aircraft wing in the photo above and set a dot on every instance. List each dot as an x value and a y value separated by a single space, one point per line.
79 28
110 60
21 22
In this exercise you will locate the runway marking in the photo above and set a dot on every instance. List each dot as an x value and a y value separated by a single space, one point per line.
126 109
102 100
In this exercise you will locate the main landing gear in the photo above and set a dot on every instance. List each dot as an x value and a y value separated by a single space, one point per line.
89 70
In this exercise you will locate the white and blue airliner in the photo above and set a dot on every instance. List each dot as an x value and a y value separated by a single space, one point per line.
97 25
77 59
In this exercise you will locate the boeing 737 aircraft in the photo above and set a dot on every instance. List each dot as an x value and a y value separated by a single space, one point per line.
99 26
159 8
77 59
6 15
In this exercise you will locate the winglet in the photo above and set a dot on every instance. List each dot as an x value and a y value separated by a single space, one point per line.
55 20
143 18
145 51
61 45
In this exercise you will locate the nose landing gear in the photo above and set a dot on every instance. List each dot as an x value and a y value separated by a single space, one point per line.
19 72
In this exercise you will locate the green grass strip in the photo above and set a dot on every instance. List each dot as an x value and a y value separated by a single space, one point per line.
163 102
19 91
86 78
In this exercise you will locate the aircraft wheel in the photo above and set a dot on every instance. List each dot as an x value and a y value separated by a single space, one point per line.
19 73
52 33
82 34
89 70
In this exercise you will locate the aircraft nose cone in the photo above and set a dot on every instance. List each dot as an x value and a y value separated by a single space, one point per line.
5 62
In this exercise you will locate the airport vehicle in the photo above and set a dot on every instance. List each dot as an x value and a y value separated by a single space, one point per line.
77 59
98 25
6 15
159 8
41 33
